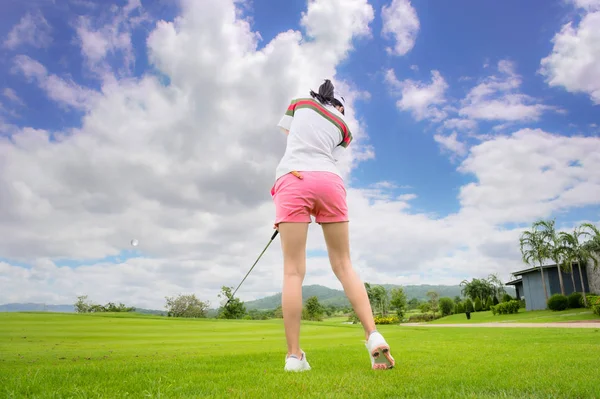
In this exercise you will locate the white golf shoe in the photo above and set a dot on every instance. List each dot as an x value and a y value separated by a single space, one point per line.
292 363
379 352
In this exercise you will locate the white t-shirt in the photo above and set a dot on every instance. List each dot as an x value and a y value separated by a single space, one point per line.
317 132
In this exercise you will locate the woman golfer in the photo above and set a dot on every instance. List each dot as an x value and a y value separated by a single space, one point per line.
308 182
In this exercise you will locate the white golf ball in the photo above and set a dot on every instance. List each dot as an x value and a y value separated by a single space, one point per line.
134 242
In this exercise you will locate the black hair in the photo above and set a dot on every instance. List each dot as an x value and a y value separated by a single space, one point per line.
325 94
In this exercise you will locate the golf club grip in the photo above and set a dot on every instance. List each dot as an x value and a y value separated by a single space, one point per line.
274 235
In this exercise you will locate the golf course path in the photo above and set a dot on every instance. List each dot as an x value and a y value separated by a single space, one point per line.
567 324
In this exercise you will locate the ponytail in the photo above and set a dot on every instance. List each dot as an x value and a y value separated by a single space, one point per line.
325 94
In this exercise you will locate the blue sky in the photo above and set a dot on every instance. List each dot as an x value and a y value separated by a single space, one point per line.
411 113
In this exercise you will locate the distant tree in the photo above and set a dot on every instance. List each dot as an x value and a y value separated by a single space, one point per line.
234 308
398 302
489 303
186 306
425 307
446 306
459 308
381 299
314 310
457 300
82 305
495 301
478 305
413 304
469 306
433 300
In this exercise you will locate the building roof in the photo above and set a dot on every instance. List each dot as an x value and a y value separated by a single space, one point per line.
515 282
532 269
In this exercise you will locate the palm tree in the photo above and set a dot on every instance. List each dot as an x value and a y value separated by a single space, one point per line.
568 253
533 251
551 241
593 244
577 251
496 285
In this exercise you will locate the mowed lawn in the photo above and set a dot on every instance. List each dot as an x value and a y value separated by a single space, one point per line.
535 316
45 355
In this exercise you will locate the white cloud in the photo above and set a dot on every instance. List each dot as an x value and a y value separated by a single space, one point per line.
460 124
497 98
590 5
421 99
32 29
100 37
12 96
186 169
531 174
574 62
452 144
64 92
400 22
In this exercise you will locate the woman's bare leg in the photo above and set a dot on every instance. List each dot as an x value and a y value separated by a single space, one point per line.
293 244
338 247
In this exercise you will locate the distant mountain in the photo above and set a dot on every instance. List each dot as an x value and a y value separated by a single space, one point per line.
36 307
329 296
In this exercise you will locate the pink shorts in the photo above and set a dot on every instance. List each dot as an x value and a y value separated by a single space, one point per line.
320 194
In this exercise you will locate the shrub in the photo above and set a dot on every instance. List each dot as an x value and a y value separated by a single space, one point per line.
489 303
507 298
422 317
558 302
469 306
509 307
478 305
575 300
446 306
594 303
495 300
460 308
386 319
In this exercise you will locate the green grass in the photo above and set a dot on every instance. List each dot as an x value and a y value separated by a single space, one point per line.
116 356
535 316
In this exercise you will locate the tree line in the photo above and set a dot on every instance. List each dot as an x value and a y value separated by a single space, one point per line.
544 243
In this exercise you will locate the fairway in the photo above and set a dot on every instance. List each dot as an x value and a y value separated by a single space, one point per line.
45 355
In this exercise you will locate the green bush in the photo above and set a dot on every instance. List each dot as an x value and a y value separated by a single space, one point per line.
387 319
460 308
594 303
489 303
507 298
423 317
558 302
469 306
446 306
478 305
495 300
509 307
575 300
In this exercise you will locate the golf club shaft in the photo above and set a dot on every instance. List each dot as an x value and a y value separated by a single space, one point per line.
259 256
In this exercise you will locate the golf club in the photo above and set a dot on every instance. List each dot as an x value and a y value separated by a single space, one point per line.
259 256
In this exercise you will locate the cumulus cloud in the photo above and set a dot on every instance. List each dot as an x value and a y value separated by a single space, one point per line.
32 29
574 63
497 98
531 174
101 37
423 100
400 23
65 92
451 144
